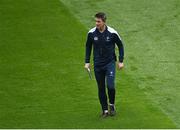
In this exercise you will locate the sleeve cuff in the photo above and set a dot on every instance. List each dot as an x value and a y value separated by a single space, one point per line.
121 59
87 61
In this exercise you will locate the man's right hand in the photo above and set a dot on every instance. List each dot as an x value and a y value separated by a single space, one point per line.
87 66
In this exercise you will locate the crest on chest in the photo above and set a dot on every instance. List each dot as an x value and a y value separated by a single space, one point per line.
107 38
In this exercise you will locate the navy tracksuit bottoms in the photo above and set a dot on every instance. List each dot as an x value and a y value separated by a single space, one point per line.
105 76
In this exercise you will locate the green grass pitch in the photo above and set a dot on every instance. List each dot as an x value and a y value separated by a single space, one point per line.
42 80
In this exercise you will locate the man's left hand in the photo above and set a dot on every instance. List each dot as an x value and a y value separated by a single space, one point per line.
120 65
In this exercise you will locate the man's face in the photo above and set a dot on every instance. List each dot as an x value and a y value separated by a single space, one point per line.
99 23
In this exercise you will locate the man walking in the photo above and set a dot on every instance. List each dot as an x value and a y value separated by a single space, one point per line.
103 40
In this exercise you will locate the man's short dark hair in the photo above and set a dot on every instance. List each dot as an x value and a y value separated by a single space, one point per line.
101 15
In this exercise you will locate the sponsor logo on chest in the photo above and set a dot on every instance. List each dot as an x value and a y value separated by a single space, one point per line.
95 38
